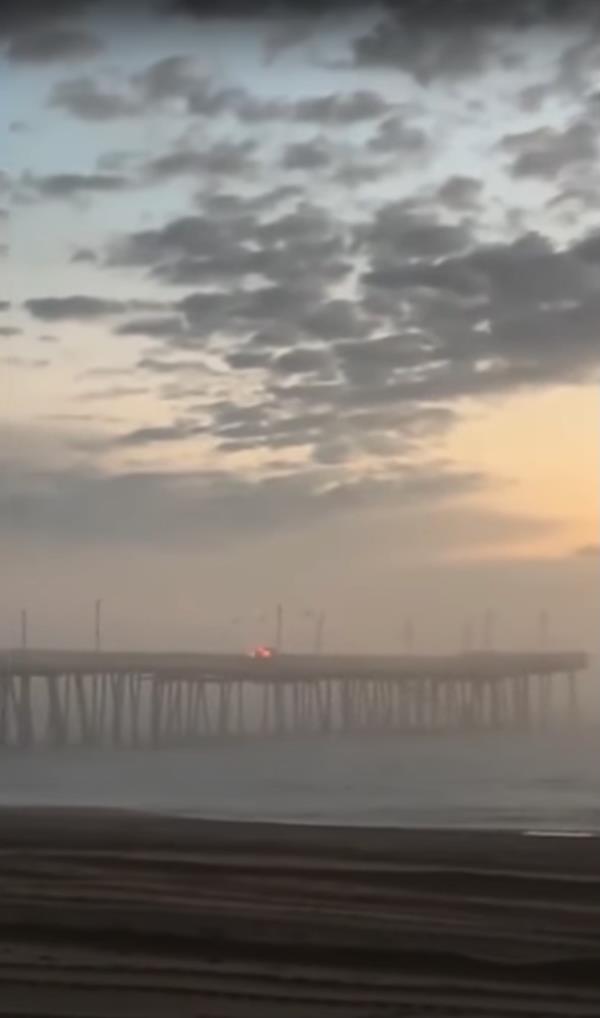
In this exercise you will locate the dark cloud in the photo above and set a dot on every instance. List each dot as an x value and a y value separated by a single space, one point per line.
52 44
249 360
84 254
546 152
395 136
303 360
77 308
171 508
375 361
177 79
4 305
71 185
335 109
273 337
397 232
158 366
432 40
494 318
222 159
8 331
298 253
83 97
155 435
424 51
155 328
189 237
591 551
335 319
307 155
353 173
459 192
284 10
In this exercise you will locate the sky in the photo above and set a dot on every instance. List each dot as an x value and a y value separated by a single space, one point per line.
300 306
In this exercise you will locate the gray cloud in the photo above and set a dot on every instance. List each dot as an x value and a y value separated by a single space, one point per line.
496 317
84 254
249 360
398 232
195 237
52 44
222 159
307 155
396 136
83 97
303 360
460 193
335 319
588 551
423 51
170 508
8 331
335 109
299 253
546 152
532 97
459 38
77 308
156 328
156 435
177 79
4 305
71 185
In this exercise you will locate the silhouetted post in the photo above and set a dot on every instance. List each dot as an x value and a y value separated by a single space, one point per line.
543 629
24 630
279 628
98 625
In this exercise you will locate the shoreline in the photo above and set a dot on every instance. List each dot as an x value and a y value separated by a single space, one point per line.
126 913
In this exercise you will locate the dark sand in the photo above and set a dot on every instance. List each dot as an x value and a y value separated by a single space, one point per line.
117 914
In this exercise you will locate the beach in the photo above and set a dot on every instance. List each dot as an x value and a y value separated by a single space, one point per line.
108 912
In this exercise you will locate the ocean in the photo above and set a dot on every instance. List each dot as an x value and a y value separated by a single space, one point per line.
539 781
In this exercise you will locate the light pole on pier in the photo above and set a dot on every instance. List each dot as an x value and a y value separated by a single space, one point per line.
543 624
24 630
409 636
319 627
98 625
279 628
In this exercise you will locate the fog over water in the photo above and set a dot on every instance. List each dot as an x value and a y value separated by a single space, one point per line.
542 780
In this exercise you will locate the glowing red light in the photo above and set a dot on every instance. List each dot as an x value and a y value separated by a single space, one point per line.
262 652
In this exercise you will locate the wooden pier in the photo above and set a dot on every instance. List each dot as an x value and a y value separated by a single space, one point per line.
62 698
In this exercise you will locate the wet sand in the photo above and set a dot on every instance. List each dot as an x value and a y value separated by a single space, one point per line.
127 915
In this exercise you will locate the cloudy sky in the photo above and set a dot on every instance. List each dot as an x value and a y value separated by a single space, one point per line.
299 307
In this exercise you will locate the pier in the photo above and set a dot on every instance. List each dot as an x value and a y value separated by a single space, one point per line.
105 699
